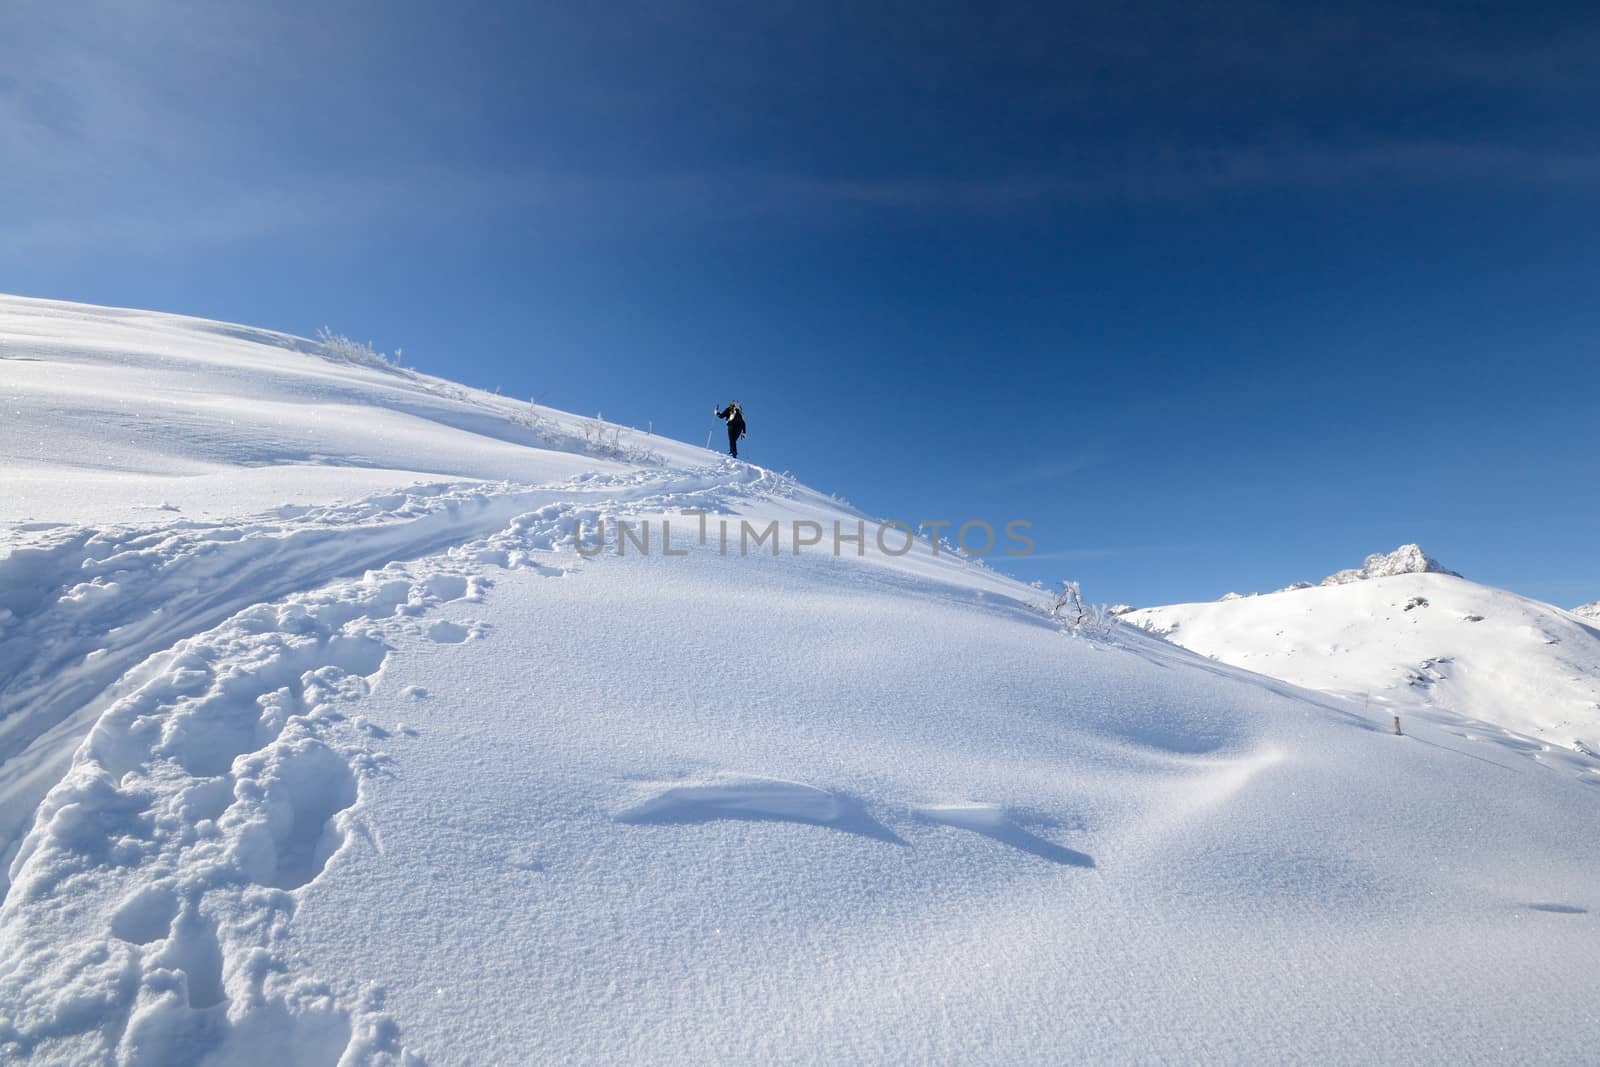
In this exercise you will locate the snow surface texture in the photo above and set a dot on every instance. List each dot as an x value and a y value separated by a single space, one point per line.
377 768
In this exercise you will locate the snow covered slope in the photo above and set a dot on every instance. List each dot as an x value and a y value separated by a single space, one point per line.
355 758
1415 640
162 473
113 414
1588 611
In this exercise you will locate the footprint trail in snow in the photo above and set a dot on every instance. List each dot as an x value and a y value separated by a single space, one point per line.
220 773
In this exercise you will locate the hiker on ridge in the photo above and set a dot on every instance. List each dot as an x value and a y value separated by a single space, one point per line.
735 420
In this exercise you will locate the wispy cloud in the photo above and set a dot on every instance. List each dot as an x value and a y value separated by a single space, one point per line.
1159 174
312 199
1078 555
1050 469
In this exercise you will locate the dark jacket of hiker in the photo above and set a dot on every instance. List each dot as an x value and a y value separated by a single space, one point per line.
735 420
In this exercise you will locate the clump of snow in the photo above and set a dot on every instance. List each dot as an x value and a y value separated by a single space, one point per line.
1407 559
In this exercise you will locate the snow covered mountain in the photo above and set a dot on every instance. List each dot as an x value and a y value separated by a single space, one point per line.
322 741
1403 634
1588 611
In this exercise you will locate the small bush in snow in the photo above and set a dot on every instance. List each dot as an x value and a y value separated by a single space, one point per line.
542 428
1094 621
613 442
338 346
1069 604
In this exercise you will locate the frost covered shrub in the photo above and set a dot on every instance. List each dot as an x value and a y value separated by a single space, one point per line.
613 442
1069 604
338 346
1094 621
543 428
594 436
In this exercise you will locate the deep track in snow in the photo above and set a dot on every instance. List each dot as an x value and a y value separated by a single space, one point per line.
210 750
95 614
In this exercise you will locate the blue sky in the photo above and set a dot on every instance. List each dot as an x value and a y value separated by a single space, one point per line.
1217 296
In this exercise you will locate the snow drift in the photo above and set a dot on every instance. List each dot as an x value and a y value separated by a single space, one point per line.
322 743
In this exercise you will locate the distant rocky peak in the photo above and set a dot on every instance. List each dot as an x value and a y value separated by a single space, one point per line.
1407 559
